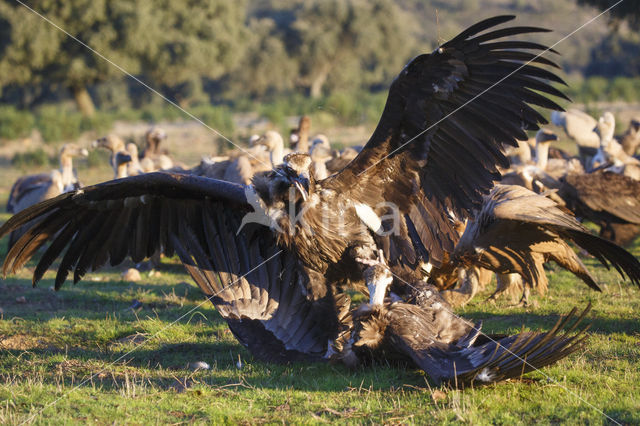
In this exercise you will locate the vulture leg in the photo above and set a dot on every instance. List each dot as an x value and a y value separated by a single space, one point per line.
509 284
541 284
469 280
524 301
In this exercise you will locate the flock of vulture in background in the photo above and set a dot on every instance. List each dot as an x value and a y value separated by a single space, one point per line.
418 218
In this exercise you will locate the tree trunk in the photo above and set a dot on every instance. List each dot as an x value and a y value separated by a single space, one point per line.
315 91
83 101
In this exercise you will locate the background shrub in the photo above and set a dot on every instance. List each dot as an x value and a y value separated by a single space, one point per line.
15 123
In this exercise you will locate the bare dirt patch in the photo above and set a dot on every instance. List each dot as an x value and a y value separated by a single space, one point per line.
24 342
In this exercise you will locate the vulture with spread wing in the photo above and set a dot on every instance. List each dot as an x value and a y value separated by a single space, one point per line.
273 257
517 231
445 346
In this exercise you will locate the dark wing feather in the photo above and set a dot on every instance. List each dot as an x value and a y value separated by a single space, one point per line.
515 221
506 358
257 286
447 116
603 195
126 200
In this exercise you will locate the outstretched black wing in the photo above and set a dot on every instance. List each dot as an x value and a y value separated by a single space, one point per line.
501 359
438 145
256 285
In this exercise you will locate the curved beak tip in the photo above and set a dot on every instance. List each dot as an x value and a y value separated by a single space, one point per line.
302 190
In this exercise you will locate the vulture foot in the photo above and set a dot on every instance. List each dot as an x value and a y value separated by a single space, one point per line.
524 301
469 280
456 298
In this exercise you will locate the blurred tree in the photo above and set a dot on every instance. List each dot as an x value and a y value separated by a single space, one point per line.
628 10
265 67
348 43
179 43
617 54
173 43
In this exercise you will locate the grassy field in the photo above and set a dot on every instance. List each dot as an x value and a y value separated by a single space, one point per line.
111 351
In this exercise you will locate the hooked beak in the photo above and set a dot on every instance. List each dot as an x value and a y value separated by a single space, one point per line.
301 188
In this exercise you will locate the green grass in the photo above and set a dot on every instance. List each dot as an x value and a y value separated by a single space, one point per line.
67 357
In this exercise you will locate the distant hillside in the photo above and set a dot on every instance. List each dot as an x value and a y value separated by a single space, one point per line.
236 53
443 19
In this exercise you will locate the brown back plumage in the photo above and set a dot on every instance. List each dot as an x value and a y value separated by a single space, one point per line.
517 229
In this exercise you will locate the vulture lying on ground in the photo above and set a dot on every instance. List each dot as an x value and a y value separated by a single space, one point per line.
448 348
23 186
275 257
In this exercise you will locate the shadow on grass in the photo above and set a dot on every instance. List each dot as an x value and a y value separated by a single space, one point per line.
91 299
498 323
171 361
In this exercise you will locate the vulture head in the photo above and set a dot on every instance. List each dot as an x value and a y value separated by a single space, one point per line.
270 140
321 140
288 183
378 278
545 135
319 152
605 127
111 142
73 150
154 136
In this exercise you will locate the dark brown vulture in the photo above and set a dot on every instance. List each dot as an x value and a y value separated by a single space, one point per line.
448 348
278 278
608 199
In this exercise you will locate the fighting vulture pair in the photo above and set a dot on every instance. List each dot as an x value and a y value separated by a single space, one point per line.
275 257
